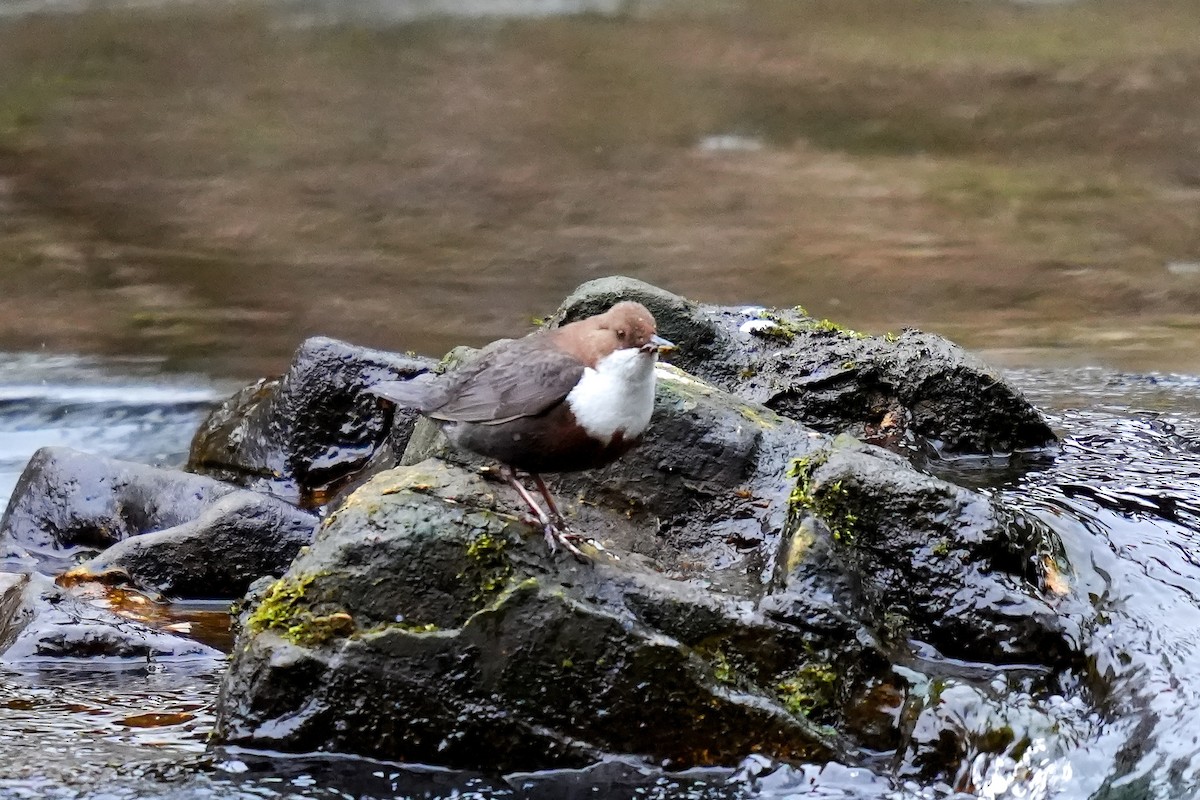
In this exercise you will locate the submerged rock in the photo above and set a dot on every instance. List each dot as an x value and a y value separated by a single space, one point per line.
39 621
299 435
164 529
887 389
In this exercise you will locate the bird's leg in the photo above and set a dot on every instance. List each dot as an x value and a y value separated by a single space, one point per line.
549 498
564 529
554 537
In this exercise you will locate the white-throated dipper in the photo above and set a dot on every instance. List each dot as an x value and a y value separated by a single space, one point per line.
558 400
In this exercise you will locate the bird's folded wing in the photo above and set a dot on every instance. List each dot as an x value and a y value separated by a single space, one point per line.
421 392
509 383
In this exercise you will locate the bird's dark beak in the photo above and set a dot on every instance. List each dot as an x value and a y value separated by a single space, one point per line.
658 344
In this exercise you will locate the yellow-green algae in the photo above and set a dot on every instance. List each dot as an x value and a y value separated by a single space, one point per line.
830 502
808 689
764 418
286 610
722 669
805 691
788 329
802 539
490 569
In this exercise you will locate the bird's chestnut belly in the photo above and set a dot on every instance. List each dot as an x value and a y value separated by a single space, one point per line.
551 442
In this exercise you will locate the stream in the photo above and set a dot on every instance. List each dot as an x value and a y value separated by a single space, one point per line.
661 168
1123 492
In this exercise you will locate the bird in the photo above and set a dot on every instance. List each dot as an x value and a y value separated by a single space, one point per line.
563 399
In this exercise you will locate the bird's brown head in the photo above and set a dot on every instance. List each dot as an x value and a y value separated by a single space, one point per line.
627 325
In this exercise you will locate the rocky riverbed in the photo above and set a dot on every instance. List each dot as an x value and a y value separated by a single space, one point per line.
833 590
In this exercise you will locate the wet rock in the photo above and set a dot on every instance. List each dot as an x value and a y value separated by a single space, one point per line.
743 600
39 621
236 540
890 390
67 502
761 585
481 652
922 559
299 435
166 530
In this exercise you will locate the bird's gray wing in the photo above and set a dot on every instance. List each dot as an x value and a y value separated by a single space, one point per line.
521 379
422 392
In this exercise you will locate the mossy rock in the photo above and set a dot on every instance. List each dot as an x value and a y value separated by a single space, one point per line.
921 558
428 623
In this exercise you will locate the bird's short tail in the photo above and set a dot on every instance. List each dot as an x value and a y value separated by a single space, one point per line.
419 392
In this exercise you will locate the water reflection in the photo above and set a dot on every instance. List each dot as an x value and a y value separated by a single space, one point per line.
328 11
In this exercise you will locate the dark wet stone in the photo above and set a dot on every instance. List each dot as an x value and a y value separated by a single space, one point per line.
236 540
884 389
920 558
482 652
67 502
165 529
299 435
40 621
762 587
426 586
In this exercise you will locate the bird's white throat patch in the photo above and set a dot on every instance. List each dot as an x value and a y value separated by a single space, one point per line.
618 395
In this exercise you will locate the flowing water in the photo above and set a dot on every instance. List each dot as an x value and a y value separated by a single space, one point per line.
1123 492
661 169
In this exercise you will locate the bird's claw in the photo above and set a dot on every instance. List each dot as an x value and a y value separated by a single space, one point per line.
556 536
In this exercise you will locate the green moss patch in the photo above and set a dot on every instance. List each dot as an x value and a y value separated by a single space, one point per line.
490 569
830 502
808 690
286 609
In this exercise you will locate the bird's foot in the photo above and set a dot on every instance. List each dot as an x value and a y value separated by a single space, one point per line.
553 524
556 536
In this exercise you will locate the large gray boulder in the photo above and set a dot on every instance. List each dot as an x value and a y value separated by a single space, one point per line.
299 435
41 622
911 389
740 605
480 651
163 529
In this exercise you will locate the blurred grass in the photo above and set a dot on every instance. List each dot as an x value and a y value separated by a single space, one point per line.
217 182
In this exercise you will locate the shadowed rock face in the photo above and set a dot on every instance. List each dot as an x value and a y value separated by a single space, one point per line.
884 389
236 540
924 559
298 435
40 622
165 530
